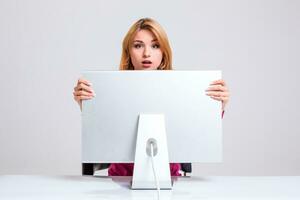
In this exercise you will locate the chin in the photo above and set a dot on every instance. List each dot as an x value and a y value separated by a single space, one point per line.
150 68
145 68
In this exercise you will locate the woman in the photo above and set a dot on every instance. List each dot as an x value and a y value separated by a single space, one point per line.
146 47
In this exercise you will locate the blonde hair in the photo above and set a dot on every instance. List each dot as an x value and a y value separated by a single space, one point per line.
156 29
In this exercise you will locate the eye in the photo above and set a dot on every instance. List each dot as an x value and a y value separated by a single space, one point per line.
137 46
155 46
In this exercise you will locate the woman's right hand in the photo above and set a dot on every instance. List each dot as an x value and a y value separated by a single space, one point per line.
83 91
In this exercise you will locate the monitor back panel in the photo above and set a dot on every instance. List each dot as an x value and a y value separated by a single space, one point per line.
110 120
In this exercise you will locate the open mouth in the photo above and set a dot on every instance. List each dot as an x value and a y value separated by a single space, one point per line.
147 62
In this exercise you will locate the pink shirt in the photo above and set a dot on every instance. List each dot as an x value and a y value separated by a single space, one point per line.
126 169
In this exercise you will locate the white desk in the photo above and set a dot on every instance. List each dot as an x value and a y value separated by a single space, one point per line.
88 187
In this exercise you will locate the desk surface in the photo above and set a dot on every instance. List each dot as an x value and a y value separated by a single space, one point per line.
89 187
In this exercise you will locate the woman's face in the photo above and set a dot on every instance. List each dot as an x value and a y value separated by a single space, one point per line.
145 52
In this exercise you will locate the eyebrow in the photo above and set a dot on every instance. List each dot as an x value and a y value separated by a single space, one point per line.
140 41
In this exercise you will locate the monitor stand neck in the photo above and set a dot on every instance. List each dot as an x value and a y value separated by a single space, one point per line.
151 127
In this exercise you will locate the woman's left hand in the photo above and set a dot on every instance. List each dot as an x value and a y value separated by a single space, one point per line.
218 90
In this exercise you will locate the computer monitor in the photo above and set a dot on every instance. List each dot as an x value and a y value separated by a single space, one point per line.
192 119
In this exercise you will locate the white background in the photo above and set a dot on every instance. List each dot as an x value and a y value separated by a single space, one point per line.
45 44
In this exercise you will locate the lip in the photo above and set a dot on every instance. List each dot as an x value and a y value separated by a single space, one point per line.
146 63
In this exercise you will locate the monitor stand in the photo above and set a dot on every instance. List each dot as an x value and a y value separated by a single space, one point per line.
151 128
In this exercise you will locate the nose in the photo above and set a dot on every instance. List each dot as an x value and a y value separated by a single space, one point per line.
146 53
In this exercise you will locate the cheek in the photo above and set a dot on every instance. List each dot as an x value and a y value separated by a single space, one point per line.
133 56
158 58
136 54
135 59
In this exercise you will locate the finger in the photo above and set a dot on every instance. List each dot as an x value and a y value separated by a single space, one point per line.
216 88
85 97
215 94
79 98
217 98
83 86
83 93
82 80
220 81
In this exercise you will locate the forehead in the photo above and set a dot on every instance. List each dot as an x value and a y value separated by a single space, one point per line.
144 35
